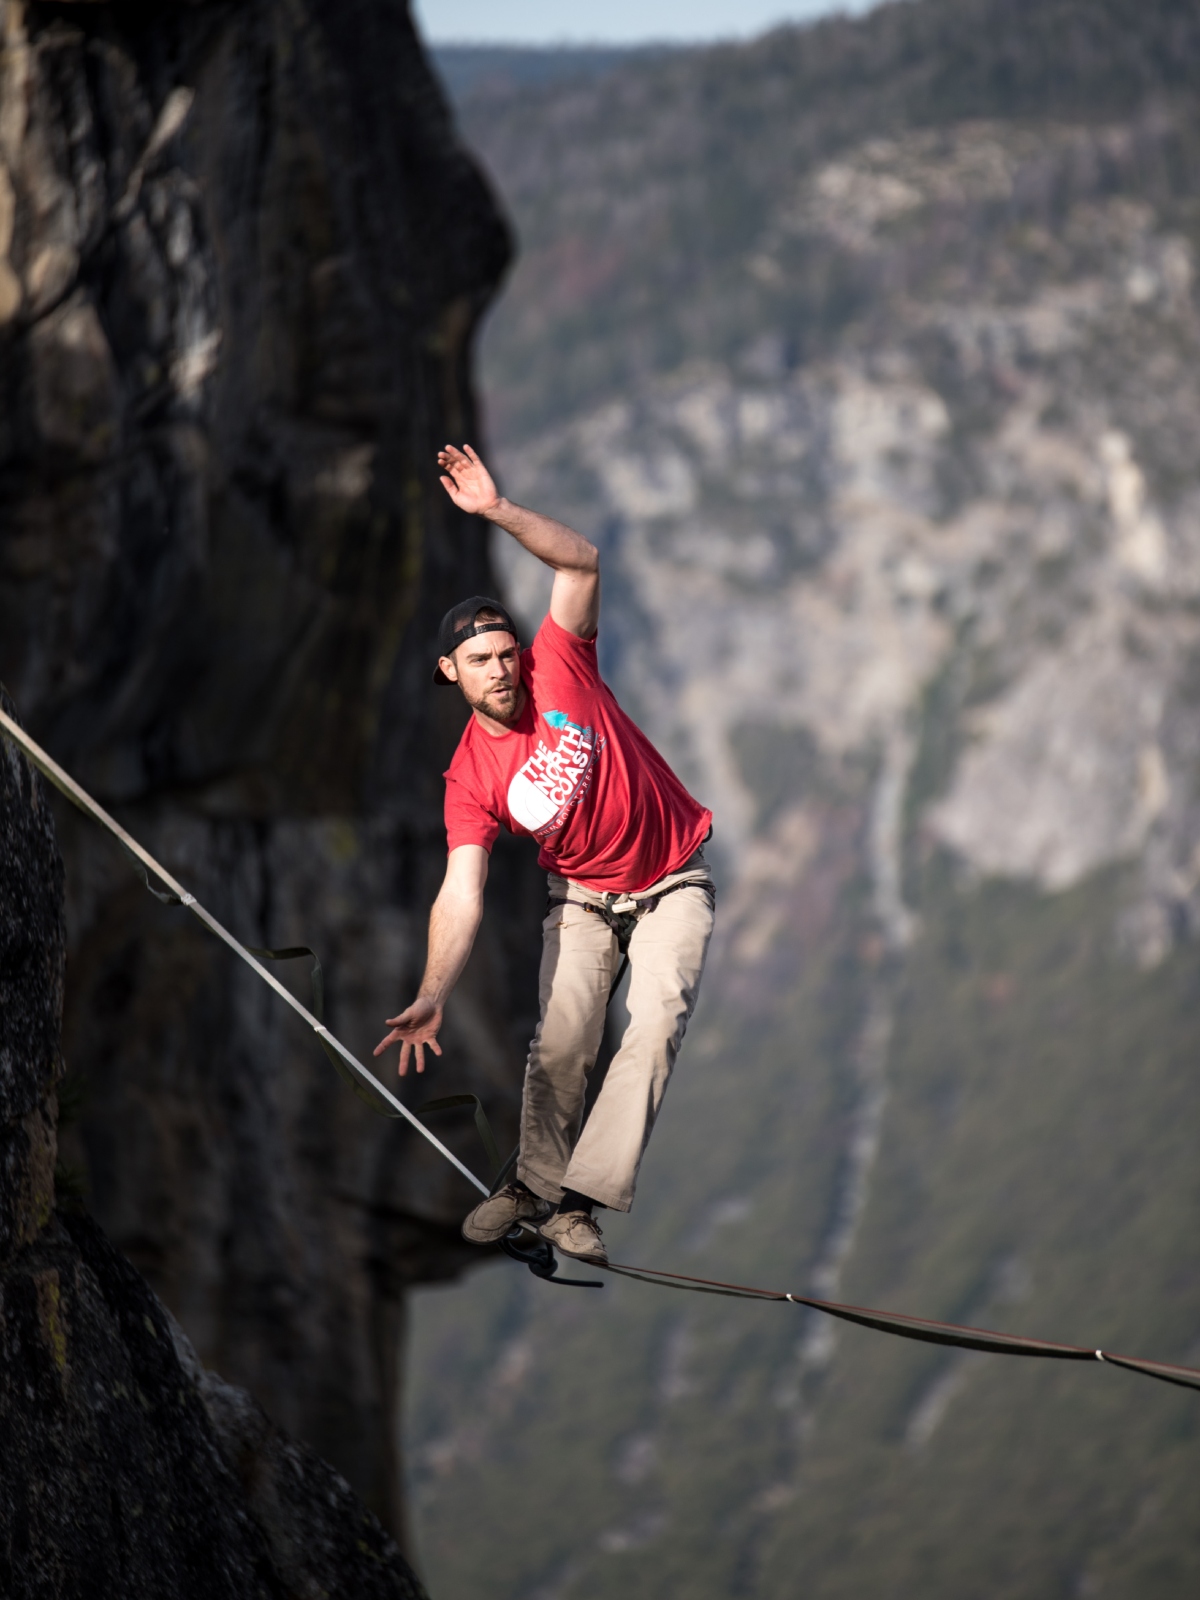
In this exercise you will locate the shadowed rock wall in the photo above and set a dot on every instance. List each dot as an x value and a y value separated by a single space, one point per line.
127 1469
241 259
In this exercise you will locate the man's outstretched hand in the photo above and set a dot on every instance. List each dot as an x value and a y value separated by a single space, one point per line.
412 1030
466 480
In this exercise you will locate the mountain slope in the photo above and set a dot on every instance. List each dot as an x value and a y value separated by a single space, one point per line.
867 353
643 195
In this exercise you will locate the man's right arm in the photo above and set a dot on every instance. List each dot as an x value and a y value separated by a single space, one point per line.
574 560
453 923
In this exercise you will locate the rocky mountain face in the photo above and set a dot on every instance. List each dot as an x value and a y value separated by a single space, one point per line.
868 355
994 491
242 254
127 1468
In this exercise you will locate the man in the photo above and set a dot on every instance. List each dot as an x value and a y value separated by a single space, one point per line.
548 752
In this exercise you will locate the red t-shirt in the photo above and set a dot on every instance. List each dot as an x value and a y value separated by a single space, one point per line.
576 773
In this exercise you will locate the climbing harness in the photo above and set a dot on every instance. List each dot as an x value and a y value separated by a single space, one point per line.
623 912
523 1244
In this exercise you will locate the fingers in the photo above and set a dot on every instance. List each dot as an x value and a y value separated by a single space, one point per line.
455 460
418 1050
389 1039
415 1052
412 1034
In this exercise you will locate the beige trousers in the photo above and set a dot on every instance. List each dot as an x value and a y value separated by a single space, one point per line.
580 959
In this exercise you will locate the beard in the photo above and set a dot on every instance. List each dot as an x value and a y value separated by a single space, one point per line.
501 705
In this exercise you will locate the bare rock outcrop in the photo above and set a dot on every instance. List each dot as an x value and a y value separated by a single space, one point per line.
971 522
127 1469
242 255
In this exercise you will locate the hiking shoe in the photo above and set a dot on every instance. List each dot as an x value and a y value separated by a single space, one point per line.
575 1234
500 1212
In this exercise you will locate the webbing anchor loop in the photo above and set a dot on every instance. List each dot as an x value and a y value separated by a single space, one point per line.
538 1255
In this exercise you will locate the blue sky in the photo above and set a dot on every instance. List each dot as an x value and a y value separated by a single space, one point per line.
611 21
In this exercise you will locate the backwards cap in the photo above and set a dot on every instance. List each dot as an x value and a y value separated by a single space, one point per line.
459 624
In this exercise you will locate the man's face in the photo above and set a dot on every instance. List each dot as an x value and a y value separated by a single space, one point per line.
487 669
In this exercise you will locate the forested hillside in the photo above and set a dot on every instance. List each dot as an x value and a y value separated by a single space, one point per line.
868 353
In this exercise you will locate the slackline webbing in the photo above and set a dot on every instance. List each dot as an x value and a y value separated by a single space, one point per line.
523 1246
362 1078
928 1332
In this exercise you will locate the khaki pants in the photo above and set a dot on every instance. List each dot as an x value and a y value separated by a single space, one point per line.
580 959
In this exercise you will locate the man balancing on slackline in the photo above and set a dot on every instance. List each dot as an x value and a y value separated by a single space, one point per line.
549 752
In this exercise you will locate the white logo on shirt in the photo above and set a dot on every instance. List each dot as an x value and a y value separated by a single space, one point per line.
549 783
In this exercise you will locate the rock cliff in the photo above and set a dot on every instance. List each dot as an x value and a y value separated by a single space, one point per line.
127 1469
242 255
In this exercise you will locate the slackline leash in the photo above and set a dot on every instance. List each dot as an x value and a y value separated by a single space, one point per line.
522 1245
361 1079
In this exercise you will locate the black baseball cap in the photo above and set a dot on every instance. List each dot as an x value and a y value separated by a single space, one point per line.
459 624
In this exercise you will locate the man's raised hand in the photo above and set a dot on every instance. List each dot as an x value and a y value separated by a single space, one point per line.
413 1030
466 480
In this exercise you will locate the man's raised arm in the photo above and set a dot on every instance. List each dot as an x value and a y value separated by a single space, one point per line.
453 924
575 598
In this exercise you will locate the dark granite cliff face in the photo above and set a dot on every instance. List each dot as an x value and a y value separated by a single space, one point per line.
241 259
127 1469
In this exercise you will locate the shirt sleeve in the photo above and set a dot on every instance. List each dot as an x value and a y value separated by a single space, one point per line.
468 821
554 648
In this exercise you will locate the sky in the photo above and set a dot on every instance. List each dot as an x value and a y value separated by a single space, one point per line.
542 22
